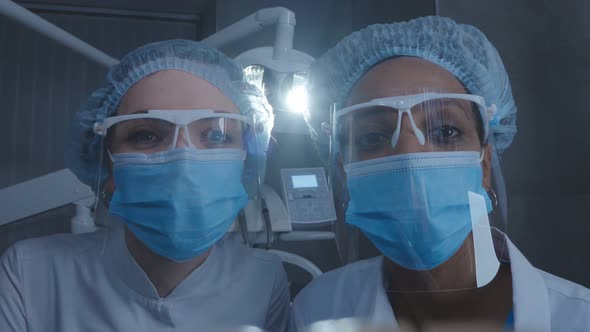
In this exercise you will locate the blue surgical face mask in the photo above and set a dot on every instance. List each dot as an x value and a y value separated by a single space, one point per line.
415 207
179 203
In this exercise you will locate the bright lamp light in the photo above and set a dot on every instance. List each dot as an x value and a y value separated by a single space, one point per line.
297 99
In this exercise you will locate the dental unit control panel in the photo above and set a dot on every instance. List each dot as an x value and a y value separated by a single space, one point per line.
308 196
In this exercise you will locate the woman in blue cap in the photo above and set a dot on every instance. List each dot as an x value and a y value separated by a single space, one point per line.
423 110
172 144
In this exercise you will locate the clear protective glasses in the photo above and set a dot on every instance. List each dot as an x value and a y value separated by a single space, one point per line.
161 130
436 122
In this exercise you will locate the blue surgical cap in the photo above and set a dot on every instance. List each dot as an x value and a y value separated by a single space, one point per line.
83 146
461 49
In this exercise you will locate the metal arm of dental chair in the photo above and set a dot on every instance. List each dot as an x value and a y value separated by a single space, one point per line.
306 236
54 32
42 194
281 57
283 18
299 261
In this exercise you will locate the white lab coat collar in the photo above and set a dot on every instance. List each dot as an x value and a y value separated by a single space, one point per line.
122 268
530 296
529 293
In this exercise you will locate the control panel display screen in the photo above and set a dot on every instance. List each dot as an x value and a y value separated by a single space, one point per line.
304 181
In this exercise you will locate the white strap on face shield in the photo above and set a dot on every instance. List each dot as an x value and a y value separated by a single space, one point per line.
181 118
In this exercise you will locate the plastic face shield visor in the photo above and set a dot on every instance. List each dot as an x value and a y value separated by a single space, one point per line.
414 179
436 122
196 136
162 130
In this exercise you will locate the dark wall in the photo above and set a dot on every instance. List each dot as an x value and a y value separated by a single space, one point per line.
546 50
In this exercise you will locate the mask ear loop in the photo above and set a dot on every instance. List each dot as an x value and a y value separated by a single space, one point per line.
417 132
99 175
482 154
101 130
98 182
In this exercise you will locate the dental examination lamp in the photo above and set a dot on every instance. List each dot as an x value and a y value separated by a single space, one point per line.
281 57
279 70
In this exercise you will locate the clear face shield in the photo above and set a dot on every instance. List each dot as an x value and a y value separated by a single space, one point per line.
209 135
417 170
181 176
162 130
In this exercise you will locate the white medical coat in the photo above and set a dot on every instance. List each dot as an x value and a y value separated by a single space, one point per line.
91 283
541 301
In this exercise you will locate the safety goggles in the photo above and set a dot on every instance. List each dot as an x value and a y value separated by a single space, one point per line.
438 122
162 130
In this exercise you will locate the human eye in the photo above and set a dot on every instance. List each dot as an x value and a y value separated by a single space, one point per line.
144 134
216 136
370 140
445 134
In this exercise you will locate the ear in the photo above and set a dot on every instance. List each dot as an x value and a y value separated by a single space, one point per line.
108 189
486 166
339 183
